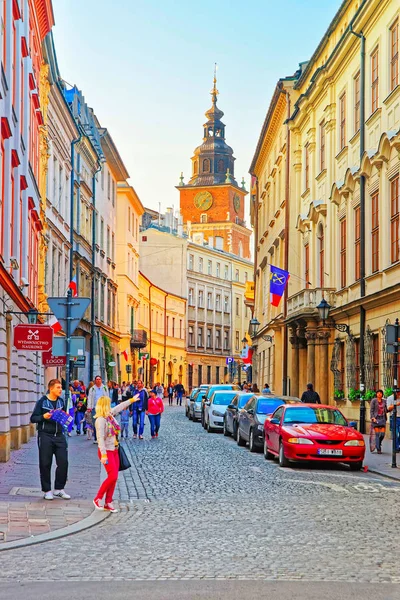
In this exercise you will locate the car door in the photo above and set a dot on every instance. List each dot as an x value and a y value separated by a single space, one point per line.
245 418
230 412
273 429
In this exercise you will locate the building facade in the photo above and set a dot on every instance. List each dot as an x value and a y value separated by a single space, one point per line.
326 193
24 25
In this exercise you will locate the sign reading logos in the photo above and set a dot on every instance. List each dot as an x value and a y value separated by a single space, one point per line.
37 338
48 360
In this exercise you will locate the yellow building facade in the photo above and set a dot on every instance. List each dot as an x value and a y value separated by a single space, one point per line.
162 316
129 214
325 218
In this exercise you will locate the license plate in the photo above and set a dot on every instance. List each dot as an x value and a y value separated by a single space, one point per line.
326 452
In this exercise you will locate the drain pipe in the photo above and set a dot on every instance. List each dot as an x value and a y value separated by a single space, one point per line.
93 286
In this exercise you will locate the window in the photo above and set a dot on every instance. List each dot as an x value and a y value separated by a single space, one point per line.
167 326
217 374
218 339
206 165
374 80
322 146
306 167
246 276
342 120
108 185
342 365
226 272
129 218
357 362
218 270
208 373
226 340
209 338
108 242
357 102
237 341
218 302
375 232
237 306
209 300
203 218
394 219
219 242
200 342
180 328
173 326
237 274
102 234
307 265
226 304
200 265
191 336
201 299
221 166
375 360
394 55
321 257
200 374
113 193
113 247
191 262
190 297
343 249
357 233
209 267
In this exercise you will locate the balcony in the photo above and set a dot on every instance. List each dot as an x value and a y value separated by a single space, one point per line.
138 338
304 303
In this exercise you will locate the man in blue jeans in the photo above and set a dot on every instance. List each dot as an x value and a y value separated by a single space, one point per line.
179 391
138 410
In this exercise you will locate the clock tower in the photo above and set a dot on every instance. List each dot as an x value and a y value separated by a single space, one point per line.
212 203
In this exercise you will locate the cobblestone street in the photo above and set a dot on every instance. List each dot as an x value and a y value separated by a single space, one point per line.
196 506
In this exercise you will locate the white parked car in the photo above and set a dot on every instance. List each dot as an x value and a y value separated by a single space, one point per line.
215 408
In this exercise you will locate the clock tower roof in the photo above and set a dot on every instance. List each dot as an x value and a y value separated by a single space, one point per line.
213 158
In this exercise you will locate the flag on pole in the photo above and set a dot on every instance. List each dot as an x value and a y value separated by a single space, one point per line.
54 324
73 286
125 355
277 284
247 355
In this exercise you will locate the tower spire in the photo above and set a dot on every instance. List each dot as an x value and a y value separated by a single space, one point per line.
214 92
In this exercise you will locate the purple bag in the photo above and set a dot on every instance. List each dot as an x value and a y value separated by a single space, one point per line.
61 417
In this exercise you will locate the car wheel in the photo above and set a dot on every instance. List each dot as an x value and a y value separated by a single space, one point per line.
194 419
252 447
226 432
283 461
235 430
239 439
190 416
356 466
209 429
267 453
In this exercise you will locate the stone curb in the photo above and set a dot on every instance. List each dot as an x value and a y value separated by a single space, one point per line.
383 474
96 517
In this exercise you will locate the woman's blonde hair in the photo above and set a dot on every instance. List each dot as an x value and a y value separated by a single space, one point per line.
103 406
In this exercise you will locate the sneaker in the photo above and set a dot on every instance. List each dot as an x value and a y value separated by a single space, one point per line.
111 508
48 496
152 437
157 434
94 441
62 494
140 437
134 436
97 504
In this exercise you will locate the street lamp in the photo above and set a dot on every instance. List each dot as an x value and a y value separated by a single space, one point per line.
32 316
323 308
254 325
244 340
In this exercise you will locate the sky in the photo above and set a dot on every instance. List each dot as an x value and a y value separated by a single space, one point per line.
146 68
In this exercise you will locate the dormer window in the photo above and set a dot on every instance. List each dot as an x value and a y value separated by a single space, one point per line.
221 166
206 165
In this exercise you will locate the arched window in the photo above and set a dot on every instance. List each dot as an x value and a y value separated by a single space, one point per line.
221 166
321 257
210 132
218 132
195 168
206 165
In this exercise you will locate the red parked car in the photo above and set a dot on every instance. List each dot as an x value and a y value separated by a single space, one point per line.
318 432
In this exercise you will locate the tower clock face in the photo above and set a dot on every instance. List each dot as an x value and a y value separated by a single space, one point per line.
236 202
203 200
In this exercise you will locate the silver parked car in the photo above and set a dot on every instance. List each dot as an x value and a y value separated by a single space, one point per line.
195 405
215 407
187 400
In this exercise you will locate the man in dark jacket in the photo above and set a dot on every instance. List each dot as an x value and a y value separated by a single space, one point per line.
51 440
310 396
139 410
179 391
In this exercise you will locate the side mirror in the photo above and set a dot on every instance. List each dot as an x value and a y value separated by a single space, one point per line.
274 421
250 411
231 406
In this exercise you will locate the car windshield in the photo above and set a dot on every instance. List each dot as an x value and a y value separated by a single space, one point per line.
227 387
199 398
244 399
223 399
310 415
267 407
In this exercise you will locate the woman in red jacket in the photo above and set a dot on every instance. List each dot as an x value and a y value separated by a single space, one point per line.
154 410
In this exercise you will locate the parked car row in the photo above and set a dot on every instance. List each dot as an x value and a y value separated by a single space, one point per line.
280 426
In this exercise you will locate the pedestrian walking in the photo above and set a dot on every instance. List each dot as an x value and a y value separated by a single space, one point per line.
155 408
310 396
378 411
170 391
51 441
107 431
80 409
159 390
125 414
96 391
254 389
139 410
89 426
179 391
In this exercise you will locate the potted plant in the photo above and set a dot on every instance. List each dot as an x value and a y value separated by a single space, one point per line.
354 395
369 394
388 392
338 395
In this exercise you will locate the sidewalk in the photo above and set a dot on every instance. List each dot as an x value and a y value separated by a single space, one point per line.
23 512
381 463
